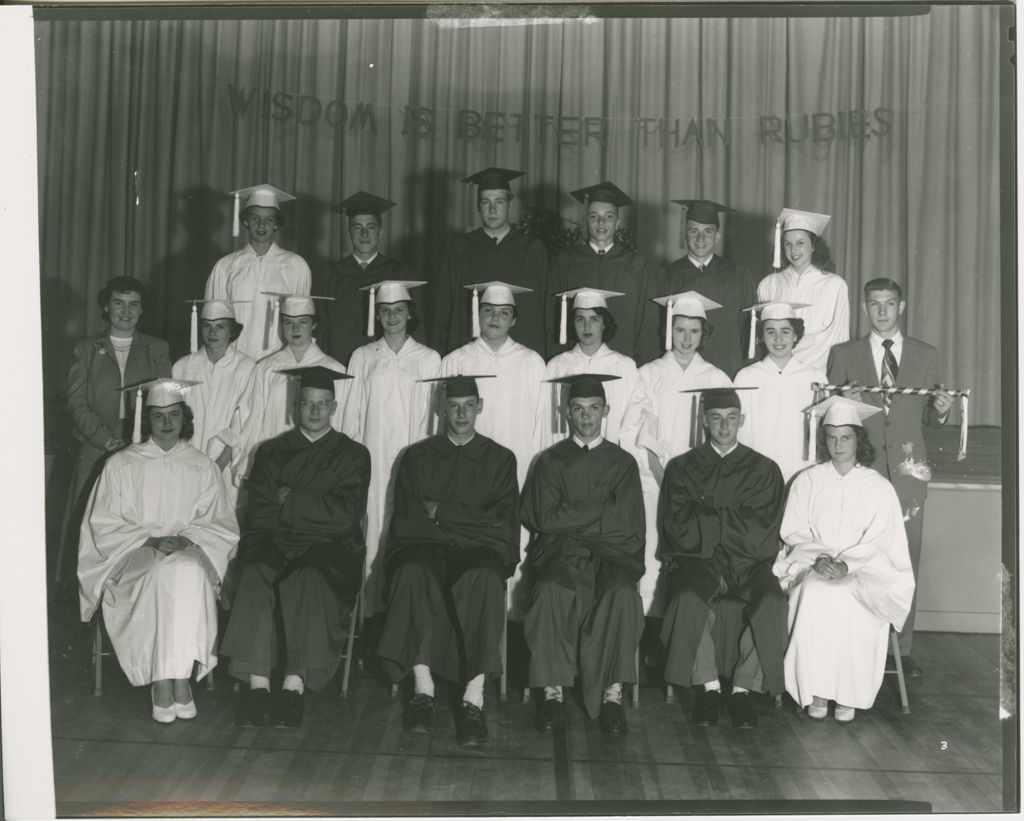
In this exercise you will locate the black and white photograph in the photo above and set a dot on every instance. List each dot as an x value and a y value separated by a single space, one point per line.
510 410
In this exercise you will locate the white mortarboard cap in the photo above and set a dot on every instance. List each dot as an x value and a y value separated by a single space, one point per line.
582 298
212 309
160 393
387 291
296 304
836 410
770 310
790 219
687 303
263 195
495 292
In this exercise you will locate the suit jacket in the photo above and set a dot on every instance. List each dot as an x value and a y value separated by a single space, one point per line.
94 398
903 425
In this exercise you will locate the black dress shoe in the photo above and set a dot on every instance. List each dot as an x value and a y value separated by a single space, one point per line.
252 708
550 714
288 709
418 715
613 719
705 712
470 726
741 711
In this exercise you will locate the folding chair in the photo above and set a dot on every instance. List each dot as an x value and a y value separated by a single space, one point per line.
355 629
894 643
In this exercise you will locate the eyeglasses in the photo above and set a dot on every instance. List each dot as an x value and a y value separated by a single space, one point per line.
320 405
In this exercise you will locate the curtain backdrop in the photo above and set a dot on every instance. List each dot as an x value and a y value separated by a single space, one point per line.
889 124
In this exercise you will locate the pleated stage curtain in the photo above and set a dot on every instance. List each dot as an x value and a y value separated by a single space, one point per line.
889 124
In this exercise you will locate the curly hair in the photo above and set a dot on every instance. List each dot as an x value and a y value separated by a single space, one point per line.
248 210
821 255
410 326
610 325
188 427
799 329
865 450
119 285
706 328
234 329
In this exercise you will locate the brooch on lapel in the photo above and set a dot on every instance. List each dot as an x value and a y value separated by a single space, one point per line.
98 347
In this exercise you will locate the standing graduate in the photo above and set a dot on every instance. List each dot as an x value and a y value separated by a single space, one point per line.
496 250
251 275
717 278
301 557
341 329
846 567
388 408
221 402
156 541
454 539
774 413
583 504
718 516
606 264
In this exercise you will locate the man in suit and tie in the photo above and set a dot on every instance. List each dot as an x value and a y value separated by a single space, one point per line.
887 358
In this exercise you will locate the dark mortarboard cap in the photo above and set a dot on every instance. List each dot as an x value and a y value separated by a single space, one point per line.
703 211
461 384
494 179
720 397
602 192
585 385
316 376
362 202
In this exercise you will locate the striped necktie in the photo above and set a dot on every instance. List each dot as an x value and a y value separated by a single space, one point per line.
890 369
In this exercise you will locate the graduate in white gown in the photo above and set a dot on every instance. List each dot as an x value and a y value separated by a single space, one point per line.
388 408
154 546
273 393
221 400
809 278
593 327
774 414
660 422
515 404
846 567
251 274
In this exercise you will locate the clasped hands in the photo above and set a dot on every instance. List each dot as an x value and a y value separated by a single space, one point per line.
168 544
830 568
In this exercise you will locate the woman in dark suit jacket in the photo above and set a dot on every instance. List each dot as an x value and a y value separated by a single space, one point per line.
101 366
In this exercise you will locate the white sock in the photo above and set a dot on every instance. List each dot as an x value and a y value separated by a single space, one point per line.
474 692
736 689
553 694
293 683
259 683
713 686
424 683
613 692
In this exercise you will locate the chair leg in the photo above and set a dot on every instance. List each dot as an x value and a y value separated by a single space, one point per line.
210 686
394 691
636 687
353 626
670 693
97 659
904 701
503 684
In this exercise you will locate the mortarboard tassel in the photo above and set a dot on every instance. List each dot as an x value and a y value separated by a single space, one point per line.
194 330
668 326
369 318
777 259
753 333
268 324
962 452
693 420
562 337
137 429
235 227
476 313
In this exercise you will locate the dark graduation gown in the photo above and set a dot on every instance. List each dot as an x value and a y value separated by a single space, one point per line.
342 328
639 334
474 257
586 511
309 549
719 521
455 629
732 287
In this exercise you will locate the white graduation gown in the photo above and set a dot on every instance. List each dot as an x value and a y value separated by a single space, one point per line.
774 422
221 403
387 409
273 399
242 275
658 421
160 611
826 321
839 629
515 413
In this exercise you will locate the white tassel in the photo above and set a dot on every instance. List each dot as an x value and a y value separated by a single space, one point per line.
369 318
668 326
562 336
235 227
962 452
753 333
137 430
777 259
476 313
194 329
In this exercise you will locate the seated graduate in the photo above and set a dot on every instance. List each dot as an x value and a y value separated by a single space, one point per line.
584 505
300 562
719 515
454 540
154 546
846 567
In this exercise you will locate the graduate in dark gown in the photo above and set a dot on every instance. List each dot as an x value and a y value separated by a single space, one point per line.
301 556
717 278
583 504
345 327
719 516
454 540
497 250
604 263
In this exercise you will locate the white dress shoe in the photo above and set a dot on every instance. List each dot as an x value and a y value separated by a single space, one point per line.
186 711
845 713
165 715
814 711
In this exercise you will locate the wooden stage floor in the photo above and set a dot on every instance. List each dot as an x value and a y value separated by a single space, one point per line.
351 757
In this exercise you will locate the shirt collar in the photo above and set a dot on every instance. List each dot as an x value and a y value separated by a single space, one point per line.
456 444
599 250
365 263
593 443
717 450
697 263
309 438
504 232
